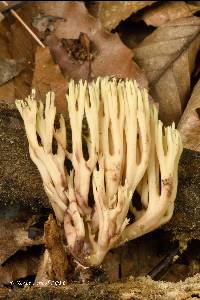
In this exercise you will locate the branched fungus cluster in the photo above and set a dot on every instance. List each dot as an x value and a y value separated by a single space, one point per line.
128 150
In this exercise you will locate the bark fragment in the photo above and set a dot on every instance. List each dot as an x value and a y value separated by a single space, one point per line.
54 245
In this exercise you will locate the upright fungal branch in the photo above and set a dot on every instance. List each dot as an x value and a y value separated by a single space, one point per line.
137 132
83 100
39 122
112 117
159 185
127 147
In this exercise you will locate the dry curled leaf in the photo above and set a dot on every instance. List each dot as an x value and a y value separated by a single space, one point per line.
189 125
168 11
109 56
48 77
168 57
111 13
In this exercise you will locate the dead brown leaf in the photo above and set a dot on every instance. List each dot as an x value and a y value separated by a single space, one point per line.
7 91
19 266
23 46
13 237
168 11
72 66
109 55
9 68
189 125
111 13
48 77
168 57
16 43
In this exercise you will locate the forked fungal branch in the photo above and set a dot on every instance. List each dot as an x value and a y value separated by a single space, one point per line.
128 149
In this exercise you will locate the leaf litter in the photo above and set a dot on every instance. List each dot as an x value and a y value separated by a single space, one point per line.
169 11
168 55
87 40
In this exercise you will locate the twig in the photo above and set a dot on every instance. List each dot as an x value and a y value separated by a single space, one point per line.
25 25
11 4
163 266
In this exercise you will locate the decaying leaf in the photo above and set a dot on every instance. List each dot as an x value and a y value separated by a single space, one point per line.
13 237
7 91
16 43
23 46
48 77
168 57
189 125
73 58
109 56
19 266
168 11
111 13
9 68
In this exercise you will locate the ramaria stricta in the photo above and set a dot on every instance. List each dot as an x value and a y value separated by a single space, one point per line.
128 149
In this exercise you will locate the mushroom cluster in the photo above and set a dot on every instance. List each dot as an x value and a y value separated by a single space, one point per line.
127 149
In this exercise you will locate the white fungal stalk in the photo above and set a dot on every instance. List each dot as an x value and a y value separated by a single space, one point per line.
159 185
127 149
83 100
40 122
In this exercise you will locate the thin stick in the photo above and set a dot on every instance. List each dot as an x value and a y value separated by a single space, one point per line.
164 265
24 24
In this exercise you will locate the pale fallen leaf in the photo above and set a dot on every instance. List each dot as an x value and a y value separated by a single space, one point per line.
111 13
189 125
168 11
47 77
168 57
109 55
